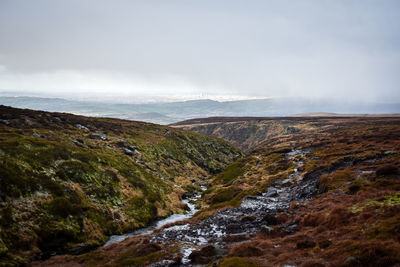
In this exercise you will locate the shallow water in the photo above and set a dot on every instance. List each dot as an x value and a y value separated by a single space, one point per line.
160 223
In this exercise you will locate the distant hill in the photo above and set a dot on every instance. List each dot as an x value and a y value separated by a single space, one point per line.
166 113
327 114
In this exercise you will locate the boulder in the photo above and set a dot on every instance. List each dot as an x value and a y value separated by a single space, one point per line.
203 256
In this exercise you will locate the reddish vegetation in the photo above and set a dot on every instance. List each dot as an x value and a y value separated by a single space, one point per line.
355 220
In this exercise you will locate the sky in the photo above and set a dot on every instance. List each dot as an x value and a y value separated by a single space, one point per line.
348 50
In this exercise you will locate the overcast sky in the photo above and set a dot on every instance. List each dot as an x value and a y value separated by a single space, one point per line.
346 49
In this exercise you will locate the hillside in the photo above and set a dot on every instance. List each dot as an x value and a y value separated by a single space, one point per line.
68 182
324 197
248 132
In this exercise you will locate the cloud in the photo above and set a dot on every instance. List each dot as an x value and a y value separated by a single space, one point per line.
103 85
347 50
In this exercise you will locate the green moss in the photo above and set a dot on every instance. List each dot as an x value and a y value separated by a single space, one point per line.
390 200
142 261
233 202
77 171
141 210
334 180
231 172
223 195
61 206
237 262
3 248
56 232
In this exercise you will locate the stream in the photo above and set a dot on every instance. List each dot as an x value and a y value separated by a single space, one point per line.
160 223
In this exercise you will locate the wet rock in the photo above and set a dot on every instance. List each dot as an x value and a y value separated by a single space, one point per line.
351 261
250 198
234 228
267 229
78 142
36 134
354 188
236 238
203 256
81 127
248 218
128 152
289 229
272 192
98 136
145 249
237 224
270 219
292 130
6 122
389 152
305 244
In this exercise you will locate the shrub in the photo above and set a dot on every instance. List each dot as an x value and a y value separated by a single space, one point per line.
223 195
142 211
385 170
230 173
237 262
246 250
61 206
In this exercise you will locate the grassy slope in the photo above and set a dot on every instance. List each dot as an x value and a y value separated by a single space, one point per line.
65 189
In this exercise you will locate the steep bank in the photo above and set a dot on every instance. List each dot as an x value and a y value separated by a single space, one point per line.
248 132
68 182
329 197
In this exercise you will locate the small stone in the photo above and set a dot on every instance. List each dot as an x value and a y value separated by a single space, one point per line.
6 122
81 127
203 256
128 152
248 218
98 136
234 228
270 219
267 229
351 261
36 134
271 193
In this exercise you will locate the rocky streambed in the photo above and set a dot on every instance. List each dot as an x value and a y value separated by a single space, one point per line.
255 214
